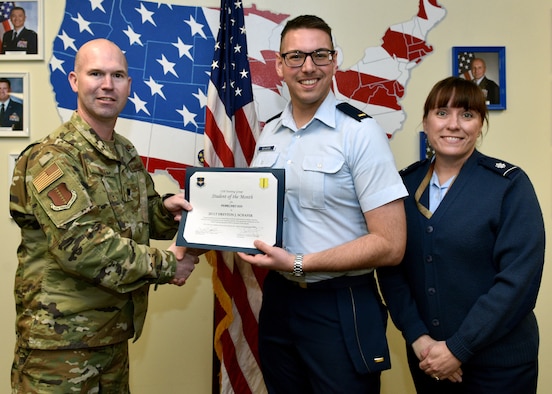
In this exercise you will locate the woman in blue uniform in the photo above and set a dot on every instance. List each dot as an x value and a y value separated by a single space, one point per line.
464 293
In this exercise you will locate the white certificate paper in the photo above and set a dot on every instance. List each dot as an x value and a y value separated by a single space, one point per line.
232 207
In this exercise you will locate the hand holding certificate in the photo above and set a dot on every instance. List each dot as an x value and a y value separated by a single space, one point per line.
232 208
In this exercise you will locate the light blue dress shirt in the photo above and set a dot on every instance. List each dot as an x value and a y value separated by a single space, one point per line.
437 191
336 169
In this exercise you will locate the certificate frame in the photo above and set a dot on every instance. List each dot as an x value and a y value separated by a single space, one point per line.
495 61
34 14
198 178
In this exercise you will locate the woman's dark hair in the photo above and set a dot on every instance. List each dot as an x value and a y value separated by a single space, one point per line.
463 93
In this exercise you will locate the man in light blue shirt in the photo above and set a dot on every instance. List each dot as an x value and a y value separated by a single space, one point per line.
322 323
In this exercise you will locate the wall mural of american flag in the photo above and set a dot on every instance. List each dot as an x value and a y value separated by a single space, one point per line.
171 55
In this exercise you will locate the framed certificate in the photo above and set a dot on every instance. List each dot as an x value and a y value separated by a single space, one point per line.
232 207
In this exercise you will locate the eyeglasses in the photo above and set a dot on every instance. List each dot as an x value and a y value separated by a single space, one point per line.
320 57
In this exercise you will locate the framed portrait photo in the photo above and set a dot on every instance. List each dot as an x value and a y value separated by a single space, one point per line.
486 66
14 105
22 30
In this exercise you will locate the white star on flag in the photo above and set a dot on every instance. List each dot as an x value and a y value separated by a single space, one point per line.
68 42
133 37
187 116
139 105
146 14
84 25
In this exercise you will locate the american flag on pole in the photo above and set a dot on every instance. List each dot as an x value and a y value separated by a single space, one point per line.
231 126
231 129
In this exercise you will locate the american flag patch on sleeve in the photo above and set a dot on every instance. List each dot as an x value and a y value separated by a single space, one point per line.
47 177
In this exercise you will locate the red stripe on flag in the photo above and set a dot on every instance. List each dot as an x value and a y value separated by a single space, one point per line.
249 320
237 379
231 129
221 149
245 135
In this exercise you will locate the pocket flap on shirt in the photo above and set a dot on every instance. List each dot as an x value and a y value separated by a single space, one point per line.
327 165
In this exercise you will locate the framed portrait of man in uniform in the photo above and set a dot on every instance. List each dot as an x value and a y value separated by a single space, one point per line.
14 105
21 30
486 67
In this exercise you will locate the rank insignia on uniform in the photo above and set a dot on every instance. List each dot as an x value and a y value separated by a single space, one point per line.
200 181
47 177
353 112
62 198
498 166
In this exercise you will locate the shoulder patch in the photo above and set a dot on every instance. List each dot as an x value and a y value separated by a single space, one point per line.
412 167
62 198
352 111
47 177
274 117
498 166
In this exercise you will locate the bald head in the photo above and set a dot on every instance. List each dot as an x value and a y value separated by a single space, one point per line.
97 48
478 68
102 84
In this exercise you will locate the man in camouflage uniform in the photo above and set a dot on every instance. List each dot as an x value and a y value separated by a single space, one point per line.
87 209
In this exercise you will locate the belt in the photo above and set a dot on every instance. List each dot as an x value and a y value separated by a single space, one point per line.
334 283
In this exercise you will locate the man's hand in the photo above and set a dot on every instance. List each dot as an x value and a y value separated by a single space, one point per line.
274 258
175 204
185 264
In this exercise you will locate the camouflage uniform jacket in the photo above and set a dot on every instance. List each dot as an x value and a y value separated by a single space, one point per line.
87 210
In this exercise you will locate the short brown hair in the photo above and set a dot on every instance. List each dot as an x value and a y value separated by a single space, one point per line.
307 22
464 94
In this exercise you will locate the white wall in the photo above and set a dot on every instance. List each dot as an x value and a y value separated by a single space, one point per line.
174 354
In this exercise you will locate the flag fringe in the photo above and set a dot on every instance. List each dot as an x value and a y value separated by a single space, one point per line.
224 301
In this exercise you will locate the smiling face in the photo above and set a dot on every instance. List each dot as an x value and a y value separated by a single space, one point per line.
4 91
17 18
454 115
102 84
453 132
478 68
309 84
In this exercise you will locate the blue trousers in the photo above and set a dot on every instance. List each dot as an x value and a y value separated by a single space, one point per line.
322 340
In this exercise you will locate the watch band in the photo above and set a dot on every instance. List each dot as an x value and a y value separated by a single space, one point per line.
298 265
165 196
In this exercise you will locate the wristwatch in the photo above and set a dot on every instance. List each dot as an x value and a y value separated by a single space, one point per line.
298 265
165 196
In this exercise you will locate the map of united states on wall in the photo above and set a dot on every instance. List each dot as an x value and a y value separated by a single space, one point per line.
170 49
